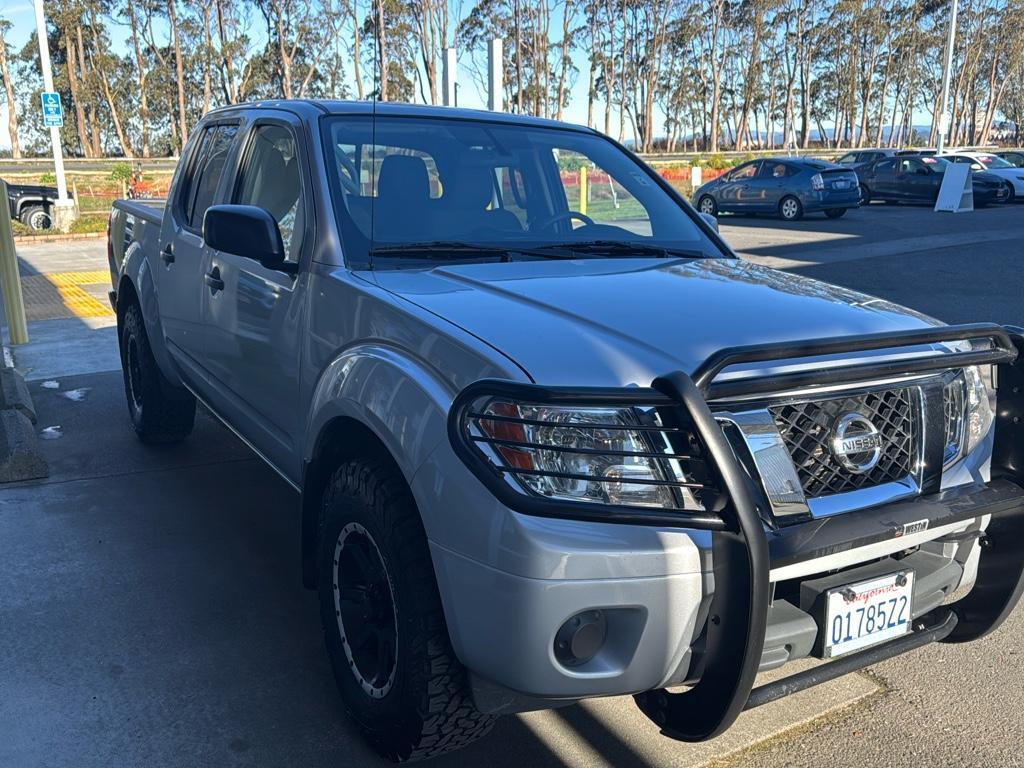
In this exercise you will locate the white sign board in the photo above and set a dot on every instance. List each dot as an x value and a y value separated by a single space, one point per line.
956 195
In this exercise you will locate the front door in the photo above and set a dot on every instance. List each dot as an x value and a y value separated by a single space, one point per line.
254 315
178 271
883 180
734 194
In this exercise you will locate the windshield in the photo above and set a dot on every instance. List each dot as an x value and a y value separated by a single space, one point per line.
991 161
937 164
409 189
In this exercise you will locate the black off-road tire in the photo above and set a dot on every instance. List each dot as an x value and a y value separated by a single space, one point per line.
159 411
422 706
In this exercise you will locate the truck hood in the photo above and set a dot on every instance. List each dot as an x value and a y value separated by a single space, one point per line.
619 322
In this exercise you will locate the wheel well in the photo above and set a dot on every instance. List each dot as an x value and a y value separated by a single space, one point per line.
24 205
126 296
341 439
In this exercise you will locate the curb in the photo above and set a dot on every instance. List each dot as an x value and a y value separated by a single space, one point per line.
20 457
29 239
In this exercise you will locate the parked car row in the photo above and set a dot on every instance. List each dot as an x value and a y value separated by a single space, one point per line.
788 186
793 186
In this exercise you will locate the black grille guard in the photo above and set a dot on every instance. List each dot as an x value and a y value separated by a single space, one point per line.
741 555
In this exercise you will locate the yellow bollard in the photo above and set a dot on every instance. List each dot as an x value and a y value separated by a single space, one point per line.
10 280
583 190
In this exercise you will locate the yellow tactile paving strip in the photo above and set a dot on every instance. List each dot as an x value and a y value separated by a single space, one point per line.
64 294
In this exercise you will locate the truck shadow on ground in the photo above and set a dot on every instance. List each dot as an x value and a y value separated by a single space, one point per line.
166 581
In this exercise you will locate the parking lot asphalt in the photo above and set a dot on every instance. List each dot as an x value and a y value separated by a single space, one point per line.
150 610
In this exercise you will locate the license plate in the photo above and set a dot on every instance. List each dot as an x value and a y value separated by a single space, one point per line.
842 185
867 613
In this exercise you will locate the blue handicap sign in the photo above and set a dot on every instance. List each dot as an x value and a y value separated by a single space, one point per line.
53 113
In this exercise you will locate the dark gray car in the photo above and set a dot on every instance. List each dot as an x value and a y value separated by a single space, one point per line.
786 186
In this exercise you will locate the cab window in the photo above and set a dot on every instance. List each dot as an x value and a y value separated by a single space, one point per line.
201 184
270 179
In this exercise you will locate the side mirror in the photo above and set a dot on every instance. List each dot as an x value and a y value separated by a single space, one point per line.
977 167
246 230
710 220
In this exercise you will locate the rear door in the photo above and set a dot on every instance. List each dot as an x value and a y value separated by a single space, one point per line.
178 269
255 320
771 185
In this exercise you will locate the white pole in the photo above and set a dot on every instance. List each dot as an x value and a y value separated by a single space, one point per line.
448 70
947 68
44 59
495 76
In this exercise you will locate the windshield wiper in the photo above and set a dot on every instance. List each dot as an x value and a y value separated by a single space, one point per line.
448 250
611 248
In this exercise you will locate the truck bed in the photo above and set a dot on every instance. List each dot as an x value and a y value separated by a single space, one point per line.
132 221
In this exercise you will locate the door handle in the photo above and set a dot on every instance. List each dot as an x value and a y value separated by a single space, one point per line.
212 279
167 254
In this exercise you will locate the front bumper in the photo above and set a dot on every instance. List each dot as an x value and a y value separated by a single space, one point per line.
714 626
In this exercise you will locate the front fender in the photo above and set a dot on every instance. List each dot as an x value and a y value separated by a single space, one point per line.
401 399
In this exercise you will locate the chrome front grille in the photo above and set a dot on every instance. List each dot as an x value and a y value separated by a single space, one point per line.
807 432
953 409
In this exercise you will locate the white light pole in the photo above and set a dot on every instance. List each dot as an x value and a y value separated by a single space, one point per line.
947 68
449 66
495 75
64 209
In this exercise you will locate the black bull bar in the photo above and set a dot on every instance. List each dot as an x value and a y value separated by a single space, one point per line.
742 550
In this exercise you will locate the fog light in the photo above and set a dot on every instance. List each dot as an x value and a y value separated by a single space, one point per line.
580 638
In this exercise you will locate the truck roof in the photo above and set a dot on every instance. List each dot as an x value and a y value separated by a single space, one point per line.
310 108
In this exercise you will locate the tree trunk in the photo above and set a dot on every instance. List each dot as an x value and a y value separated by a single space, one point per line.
140 64
382 51
105 85
12 116
231 94
178 70
356 73
207 60
72 66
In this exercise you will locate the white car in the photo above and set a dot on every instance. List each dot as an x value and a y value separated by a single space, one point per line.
985 161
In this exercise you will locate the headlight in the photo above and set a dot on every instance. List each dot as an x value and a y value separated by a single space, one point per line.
968 412
614 456
979 408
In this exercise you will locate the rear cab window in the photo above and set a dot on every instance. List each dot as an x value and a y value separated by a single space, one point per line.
198 187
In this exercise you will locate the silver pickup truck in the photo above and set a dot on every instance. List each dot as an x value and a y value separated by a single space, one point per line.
552 439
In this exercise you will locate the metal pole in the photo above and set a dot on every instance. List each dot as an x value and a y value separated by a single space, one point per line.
44 60
947 68
448 72
10 280
495 75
